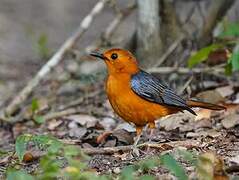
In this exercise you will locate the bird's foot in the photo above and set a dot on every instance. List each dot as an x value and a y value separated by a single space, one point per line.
135 151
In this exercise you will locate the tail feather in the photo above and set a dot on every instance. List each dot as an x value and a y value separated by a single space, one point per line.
192 103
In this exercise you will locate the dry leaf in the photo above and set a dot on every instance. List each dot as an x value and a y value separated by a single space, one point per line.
173 121
218 56
235 159
210 167
102 137
225 91
230 121
126 126
211 96
203 114
108 123
84 120
77 132
53 124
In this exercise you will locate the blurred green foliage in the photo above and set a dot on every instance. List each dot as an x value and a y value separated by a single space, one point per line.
34 108
68 162
202 54
230 31
170 163
43 46
40 42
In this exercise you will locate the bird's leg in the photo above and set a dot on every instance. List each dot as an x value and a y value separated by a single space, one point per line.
136 140
151 126
138 135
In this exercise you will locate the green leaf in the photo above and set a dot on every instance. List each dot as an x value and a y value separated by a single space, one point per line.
148 164
39 119
127 173
42 46
235 61
188 156
231 30
50 143
2 153
21 145
71 151
50 166
202 54
147 177
35 105
228 68
18 175
172 165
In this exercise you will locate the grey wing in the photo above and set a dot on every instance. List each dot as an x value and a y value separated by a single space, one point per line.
152 89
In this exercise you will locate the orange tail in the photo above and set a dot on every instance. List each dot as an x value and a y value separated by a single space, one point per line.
205 105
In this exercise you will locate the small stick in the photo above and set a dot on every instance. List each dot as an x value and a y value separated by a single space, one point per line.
58 114
185 85
182 70
189 144
171 48
80 100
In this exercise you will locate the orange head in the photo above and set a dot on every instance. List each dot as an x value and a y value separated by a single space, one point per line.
118 61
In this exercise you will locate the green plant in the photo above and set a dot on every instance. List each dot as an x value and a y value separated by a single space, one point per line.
68 162
35 108
202 54
230 30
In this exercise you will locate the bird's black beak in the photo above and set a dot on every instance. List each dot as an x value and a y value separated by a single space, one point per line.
98 55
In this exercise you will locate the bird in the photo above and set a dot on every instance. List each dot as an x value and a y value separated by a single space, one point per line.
139 97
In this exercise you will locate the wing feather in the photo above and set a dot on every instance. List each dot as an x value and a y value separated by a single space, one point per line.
152 89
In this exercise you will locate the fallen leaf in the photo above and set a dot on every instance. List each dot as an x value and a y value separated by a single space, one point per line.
235 159
230 121
5 160
218 56
102 137
126 126
236 101
203 114
108 123
123 136
110 143
210 166
211 96
77 132
84 120
172 122
53 124
208 133
28 157
203 123
225 91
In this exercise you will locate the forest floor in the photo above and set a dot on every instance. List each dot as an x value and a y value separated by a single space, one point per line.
93 124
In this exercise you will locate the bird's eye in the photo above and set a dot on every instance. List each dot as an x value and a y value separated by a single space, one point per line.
114 56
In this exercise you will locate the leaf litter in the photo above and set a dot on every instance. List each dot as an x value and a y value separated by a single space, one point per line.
216 132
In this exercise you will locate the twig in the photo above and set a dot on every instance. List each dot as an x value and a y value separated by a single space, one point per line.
111 27
117 20
189 144
58 114
185 85
58 56
182 70
80 100
171 48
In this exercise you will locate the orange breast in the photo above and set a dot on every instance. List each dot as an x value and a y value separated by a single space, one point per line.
130 106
